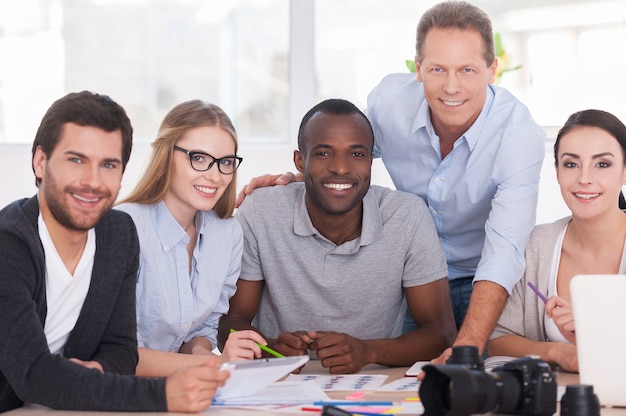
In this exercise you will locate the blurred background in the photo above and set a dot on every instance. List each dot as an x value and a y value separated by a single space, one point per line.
266 62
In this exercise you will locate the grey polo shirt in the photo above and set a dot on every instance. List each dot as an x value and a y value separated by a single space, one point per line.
311 284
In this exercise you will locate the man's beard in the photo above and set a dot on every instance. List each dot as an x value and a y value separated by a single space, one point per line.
60 209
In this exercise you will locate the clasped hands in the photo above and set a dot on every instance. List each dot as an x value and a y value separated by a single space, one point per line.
339 352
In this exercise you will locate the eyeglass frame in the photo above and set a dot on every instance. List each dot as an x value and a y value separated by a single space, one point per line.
215 160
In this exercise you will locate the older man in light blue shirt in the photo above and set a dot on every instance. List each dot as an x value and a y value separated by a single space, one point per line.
472 151
483 195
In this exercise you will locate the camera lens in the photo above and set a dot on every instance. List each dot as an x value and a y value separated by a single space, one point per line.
455 390
466 355
579 400
524 386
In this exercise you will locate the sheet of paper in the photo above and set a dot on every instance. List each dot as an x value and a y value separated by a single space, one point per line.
416 368
496 361
343 382
409 384
248 377
281 392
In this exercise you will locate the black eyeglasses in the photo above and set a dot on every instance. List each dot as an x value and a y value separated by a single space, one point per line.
202 162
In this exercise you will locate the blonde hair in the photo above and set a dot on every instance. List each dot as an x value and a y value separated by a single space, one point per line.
155 182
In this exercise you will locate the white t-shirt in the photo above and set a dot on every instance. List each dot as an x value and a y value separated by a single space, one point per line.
552 331
65 293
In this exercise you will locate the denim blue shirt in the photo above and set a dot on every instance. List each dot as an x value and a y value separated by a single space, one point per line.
483 195
174 305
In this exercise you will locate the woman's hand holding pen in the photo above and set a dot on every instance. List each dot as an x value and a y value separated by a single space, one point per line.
560 310
243 345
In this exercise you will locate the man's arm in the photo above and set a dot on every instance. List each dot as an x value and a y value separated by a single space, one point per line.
486 305
431 309
507 231
243 307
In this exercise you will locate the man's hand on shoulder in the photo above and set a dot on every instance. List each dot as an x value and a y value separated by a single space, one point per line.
264 181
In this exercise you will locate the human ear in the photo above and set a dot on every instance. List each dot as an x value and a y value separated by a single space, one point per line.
39 162
493 70
298 160
418 70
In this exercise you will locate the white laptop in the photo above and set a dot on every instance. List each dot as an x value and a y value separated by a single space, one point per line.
599 305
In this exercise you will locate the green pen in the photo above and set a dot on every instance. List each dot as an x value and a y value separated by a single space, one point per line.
266 349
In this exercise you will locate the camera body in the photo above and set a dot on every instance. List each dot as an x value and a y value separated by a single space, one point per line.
524 386
537 384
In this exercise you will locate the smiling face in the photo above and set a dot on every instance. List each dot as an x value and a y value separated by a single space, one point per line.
590 171
81 178
455 77
191 190
336 163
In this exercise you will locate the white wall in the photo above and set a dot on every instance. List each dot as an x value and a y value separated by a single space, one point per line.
18 179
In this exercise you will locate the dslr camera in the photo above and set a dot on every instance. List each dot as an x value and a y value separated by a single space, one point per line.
461 387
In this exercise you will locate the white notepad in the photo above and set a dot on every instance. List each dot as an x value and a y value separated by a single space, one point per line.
249 377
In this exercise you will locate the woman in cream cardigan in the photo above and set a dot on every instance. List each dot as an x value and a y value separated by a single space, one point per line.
590 160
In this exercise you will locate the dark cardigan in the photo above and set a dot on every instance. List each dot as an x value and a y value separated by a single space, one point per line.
105 331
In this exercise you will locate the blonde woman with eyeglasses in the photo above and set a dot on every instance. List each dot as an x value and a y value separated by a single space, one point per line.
190 246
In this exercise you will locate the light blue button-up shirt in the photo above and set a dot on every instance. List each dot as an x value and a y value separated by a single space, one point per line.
483 195
174 305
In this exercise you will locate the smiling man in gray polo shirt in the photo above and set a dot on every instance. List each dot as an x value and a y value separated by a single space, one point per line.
329 264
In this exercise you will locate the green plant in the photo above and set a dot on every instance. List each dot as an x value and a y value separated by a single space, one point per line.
504 59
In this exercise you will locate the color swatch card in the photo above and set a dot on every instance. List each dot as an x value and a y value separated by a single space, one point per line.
343 382
408 384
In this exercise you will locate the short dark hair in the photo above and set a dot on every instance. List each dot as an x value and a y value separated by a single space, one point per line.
334 106
456 15
602 120
84 109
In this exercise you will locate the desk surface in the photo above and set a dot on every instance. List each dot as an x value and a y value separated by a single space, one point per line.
312 367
